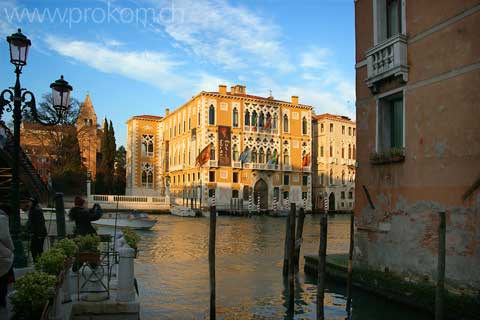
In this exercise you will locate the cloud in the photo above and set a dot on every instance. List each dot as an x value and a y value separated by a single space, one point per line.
230 36
315 58
154 68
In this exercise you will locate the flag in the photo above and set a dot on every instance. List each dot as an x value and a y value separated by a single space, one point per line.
243 157
306 160
273 158
203 157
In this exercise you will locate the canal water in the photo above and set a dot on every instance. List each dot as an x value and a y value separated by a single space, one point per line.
172 271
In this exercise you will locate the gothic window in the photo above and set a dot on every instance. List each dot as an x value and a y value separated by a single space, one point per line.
147 175
212 151
247 118
349 152
235 152
343 152
331 151
275 120
261 156
331 176
235 118
269 155
261 120
254 155
211 115
304 125
286 158
254 118
285 123
268 122
343 177
147 145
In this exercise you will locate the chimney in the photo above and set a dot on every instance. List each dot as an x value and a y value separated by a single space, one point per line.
295 100
238 89
222 89
167 112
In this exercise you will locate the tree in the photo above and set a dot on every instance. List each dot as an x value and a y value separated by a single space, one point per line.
45 111
106 169
120 180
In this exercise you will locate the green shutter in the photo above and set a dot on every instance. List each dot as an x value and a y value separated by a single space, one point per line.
396 123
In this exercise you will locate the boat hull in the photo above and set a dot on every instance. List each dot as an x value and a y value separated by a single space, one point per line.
122 223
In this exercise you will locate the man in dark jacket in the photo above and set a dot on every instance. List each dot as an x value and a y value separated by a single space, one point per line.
83 217
36 226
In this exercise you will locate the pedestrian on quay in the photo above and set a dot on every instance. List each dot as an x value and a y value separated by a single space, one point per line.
36 227
6 259
83 217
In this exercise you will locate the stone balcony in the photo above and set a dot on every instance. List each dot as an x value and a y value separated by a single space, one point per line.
387 59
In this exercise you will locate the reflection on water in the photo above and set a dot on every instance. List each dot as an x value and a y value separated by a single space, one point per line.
172 271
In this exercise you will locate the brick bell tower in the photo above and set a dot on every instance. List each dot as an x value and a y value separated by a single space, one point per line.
87 135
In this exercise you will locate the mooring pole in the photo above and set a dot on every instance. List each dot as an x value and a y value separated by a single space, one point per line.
291 261
350 265
211 259
440 267
299 235
322 252
287 240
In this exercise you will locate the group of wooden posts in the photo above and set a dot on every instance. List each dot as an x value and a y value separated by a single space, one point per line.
293 241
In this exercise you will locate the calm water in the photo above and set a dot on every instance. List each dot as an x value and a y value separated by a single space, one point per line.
172 271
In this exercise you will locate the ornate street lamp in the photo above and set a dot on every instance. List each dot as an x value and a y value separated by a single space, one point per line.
18 101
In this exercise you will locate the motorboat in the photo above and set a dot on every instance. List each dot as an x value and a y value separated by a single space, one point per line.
133 220
182 211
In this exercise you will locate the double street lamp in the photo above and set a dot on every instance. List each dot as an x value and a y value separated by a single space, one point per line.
18 101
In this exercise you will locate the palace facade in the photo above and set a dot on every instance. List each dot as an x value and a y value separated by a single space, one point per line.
333 169
259 151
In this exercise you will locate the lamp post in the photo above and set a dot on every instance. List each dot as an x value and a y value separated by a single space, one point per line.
17 100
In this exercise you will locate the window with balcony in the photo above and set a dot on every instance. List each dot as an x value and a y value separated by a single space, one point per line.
235 118
304 125
147 175
390 121
261 156
147 145
253 157
211 115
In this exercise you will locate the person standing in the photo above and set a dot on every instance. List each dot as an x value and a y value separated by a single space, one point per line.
37 228
6 257
84 216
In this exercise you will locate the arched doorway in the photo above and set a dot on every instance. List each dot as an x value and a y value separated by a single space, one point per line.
331 202
261 190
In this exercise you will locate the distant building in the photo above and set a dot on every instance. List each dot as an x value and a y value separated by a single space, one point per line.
418 137
40 142
272 137
333 168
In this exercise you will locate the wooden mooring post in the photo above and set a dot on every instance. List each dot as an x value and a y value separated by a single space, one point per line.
298 236
287 241
322 254
291 261
350 265
211 259
439 294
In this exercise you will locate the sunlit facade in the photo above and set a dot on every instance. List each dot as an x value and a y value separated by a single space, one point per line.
274 138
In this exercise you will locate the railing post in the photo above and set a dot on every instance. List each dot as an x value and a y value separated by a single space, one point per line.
126 290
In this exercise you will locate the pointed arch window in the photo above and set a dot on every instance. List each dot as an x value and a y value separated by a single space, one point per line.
275 121
147 175
147 145
261 120
254 155
235 118
343 176
354 153
285 123
269 155
304 125
212 151
247 118
331 176
235 152
343 152
211 115
349 152
286 158
261 156
254 118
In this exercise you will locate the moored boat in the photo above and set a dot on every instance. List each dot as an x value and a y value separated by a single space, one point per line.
133 220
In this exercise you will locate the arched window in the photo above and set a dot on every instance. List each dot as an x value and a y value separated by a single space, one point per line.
343 177
269 155
331 151
212 151
235 118
349 152
286 158
147 145
254 118
211 115
261 120
235 152
354 153
321 151
268 121
304 125
147 175
261 156
343 152
331 176
275 120
254 155
247 118
285 123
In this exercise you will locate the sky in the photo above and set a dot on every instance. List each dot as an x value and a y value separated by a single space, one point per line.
139 57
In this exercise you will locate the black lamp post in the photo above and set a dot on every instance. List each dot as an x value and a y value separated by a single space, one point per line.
18 101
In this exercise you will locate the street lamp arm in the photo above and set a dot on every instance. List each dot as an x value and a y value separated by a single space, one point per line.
6 102
31 104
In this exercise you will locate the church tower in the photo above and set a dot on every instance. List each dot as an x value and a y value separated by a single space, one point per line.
87 135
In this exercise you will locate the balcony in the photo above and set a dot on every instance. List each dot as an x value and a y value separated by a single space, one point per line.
213 163
236 164
287 167
388 58
306 169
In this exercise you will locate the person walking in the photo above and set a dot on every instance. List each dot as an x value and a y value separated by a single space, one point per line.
83 217
37 228
6 258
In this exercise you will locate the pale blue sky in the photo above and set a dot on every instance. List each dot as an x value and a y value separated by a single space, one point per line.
142 56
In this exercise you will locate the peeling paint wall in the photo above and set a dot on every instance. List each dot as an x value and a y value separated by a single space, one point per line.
442 148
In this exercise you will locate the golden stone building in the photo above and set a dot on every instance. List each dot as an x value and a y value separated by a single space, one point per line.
333 170
259 148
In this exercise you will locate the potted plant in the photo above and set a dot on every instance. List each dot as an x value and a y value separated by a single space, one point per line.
131 238
32 292
51 261
88 251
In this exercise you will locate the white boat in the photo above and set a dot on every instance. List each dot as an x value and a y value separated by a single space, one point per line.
182 211
134 220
